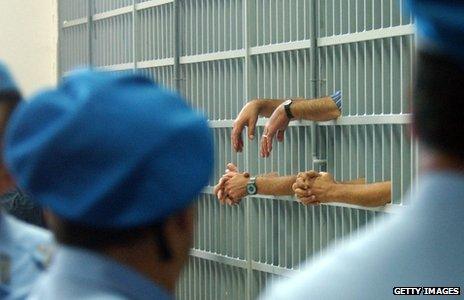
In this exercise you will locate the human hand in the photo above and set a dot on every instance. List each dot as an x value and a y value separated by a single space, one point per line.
235 187
322 189
276 125
231 170
302 187
248 116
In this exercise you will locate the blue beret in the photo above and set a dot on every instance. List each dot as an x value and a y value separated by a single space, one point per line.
109 151
440 26
7 83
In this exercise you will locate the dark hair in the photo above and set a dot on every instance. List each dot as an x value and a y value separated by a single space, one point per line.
98 239
10 96
438 103
8 102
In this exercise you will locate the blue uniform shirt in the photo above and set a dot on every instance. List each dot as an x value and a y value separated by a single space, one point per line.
17 203
80 274
25 252
420 247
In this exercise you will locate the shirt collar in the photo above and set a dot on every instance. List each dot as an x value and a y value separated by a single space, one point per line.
77 262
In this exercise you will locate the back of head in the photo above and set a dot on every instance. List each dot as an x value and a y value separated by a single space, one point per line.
9 99
9 96
440 75
107 151
438 104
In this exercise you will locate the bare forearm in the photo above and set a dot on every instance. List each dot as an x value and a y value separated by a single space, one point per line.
371 195
323 109
267 106
355 181
273 185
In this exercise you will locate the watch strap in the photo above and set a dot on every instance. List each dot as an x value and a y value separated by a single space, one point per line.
252 189
288 111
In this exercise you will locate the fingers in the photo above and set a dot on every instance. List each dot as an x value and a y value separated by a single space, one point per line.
236 137
217 188
280 135
302 185
233 199
311 200
231 167
251 127
302 193
220 185
301 176
263 146
266 140
221 196
270 137
312 174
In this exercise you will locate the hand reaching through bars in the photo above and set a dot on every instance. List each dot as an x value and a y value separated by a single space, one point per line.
232 186
275 126
246 118
312 188
280 112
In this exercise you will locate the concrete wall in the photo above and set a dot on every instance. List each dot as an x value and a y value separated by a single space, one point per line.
28 41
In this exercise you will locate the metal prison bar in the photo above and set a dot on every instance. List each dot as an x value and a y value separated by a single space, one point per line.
220 54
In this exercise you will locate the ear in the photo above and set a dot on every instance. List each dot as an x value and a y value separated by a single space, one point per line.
185 220
7 182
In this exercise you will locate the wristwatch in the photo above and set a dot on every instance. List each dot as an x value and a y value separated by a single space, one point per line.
251 186
287 105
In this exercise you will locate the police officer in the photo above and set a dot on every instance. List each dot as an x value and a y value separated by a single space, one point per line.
118 161
423 246
13 200
24 249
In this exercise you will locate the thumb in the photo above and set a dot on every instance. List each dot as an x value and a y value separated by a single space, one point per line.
232 168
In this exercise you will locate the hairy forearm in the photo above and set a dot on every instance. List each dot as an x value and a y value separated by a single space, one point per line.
275 185
355 181
267 106
371 195
323 109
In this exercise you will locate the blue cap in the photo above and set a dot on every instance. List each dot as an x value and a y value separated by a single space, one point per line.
7 83
109 151
440 26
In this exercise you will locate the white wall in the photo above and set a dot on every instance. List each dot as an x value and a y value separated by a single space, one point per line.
28 41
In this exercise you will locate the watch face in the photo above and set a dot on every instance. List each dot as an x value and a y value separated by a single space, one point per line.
251 189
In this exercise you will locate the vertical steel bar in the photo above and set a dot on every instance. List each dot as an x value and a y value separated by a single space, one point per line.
89 32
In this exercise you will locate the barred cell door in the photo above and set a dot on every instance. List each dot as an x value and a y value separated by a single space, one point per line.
221 53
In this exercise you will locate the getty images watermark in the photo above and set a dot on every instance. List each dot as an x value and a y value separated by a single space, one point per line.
427 291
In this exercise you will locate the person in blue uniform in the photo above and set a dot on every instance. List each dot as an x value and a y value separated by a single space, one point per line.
423 246
13 200
24 249
118 162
